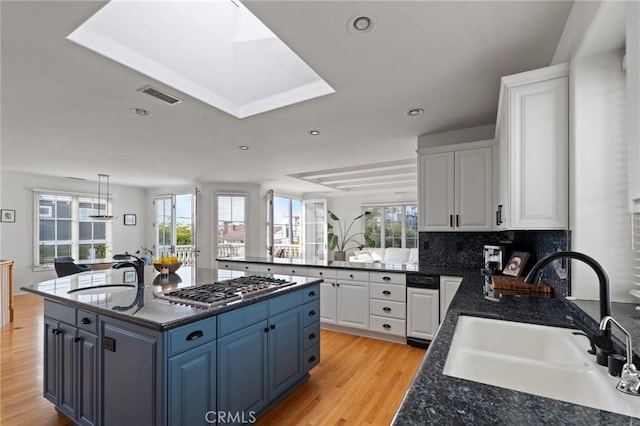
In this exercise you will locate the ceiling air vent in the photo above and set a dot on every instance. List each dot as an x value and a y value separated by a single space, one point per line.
164 97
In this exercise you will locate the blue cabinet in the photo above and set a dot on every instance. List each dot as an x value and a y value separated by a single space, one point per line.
262 349
192 390
242 370
70 364
191 373
131 375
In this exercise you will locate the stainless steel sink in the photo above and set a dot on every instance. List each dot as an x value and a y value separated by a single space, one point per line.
101 289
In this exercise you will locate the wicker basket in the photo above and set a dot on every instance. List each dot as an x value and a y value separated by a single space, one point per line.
172 267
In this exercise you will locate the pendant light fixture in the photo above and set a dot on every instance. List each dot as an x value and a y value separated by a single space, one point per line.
102 215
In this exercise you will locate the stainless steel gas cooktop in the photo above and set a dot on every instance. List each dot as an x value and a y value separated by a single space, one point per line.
223 292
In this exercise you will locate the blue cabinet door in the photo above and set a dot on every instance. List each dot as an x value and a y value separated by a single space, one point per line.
51 370
87 378
285 351
242 371
192 386
68 368
129 377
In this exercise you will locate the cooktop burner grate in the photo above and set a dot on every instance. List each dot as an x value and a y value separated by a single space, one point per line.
221 292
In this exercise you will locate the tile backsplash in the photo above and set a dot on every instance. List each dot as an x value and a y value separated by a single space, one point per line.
464 250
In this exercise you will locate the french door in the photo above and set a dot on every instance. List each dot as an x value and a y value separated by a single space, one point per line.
175 226
314 229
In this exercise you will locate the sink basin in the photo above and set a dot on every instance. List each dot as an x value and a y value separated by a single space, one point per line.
100 289
540 360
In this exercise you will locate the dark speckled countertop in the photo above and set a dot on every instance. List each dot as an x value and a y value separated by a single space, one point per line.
434 398
139 305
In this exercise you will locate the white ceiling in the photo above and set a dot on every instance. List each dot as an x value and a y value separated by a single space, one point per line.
66 111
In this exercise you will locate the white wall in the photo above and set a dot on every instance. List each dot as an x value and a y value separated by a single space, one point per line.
17 238
599 210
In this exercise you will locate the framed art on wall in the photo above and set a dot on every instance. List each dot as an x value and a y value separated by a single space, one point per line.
7 215
129 219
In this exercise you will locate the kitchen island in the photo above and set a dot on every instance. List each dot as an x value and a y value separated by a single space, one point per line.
122 355
435 398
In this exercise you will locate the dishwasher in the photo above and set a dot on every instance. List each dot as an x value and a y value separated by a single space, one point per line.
423 308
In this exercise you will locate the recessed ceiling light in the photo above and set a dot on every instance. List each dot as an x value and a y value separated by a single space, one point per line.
314 132
415 111
243 147
361 24
141 111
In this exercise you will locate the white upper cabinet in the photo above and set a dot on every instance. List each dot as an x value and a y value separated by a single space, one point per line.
456 188
533 136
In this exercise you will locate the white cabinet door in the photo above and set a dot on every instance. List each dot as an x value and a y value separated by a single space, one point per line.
353 304
328 302
422 313
474 189
448 288
534 143
456 190
436 186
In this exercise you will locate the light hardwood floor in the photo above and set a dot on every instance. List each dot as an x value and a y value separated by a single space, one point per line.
359 381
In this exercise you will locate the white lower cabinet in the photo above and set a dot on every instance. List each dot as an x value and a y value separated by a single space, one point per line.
448 288
423 306
387 303
352 299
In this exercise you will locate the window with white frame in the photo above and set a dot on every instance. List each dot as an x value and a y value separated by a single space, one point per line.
63 228
231 225
393 225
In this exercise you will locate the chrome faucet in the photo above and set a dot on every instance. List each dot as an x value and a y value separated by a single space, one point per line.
629 380
605 301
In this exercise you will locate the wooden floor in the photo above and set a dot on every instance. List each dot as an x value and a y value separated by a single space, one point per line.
359 381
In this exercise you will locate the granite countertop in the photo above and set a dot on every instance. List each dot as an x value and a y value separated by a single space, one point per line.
434 398
139 305
361 266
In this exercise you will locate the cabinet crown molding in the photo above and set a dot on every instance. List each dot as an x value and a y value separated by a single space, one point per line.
456 147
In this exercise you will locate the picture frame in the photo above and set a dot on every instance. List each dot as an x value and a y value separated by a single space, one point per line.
7 215
130 219
516 263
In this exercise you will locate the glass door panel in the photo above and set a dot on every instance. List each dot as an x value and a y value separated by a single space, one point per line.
314 230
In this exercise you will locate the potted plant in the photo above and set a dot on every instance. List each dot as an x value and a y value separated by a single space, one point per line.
341 239
101 251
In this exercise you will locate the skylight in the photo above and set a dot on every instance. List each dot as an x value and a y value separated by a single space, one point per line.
214 50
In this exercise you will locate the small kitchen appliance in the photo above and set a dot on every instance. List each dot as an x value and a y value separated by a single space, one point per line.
494 259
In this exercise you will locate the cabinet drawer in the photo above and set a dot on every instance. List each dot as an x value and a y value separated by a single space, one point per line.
270 268
294 270
353 275
87 321
393 326
387 278
387 308
59 312
310 313
241 318
285 302
311 335
311 357
235 266
191 335
327 274
312 293
388 292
